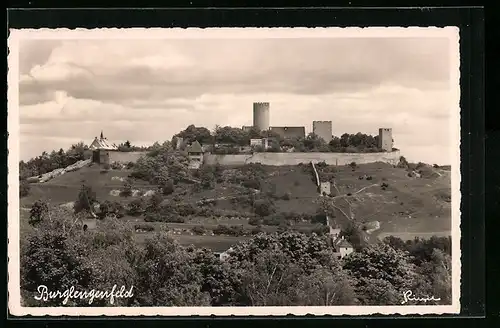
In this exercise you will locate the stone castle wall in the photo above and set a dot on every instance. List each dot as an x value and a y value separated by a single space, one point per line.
281 159
125 157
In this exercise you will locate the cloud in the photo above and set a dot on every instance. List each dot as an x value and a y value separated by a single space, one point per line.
149 90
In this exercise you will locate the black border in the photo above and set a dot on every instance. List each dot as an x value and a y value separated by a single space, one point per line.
471 24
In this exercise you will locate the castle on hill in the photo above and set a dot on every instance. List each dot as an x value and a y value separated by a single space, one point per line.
322 129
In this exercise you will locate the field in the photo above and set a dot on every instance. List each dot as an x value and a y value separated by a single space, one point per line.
406 206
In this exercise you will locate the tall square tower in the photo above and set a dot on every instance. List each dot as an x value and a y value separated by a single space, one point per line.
323 129
385 141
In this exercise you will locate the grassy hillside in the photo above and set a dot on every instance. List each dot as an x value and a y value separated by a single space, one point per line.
406 205
65 188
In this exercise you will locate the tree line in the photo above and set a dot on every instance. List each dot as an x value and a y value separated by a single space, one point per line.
229 140
279 269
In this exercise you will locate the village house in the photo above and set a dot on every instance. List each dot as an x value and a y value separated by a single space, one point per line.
261 142
195 155
341 246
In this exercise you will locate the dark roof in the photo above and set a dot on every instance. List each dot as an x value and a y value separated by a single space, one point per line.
195 148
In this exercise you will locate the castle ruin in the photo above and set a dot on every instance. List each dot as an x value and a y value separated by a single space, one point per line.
261 116
385 140
323 129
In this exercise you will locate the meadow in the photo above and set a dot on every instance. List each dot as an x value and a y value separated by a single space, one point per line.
407 206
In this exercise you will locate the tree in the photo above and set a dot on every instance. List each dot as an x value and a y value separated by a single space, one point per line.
264 207
38 212
136 207
193 133
230 135
167 187
254 133
324 287
440 276
403 163
207 177
108 208
168 275
344 140
86 199
378 267
218 279
53 255
312 142
268 281
335 143
127 188
153 204
60 256
289 268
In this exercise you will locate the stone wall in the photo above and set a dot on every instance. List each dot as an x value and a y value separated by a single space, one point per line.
125 157
281 159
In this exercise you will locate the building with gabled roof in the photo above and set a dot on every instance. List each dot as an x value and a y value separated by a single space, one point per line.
195 148
341 246
195 154
101 149
102 143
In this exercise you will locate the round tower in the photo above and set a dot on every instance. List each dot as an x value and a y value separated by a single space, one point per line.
261 116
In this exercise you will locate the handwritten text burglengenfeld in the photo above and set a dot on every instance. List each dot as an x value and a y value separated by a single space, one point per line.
408 297
46 294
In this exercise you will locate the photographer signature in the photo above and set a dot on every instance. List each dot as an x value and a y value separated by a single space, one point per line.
408 297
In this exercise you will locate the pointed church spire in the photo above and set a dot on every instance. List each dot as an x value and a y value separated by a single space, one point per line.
102 136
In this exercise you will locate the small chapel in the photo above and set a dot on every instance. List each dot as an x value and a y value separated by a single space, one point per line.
101 149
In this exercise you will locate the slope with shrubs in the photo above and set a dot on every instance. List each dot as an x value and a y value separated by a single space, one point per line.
253 198
399 201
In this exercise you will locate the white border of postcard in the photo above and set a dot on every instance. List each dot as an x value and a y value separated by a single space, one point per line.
452 33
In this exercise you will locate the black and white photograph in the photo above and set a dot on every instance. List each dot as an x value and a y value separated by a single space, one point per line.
234 171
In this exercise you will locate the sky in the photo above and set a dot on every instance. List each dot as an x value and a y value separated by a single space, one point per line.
147 90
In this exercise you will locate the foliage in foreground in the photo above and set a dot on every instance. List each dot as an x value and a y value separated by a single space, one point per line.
288 268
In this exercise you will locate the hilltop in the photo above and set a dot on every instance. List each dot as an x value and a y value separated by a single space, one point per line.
217 206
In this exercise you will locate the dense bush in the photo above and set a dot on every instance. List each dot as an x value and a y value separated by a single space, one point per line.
264 207
198 230
273 220
38 212
108 208
229 140
169 218
162 164
55 160
258 229
216 212
229 230
86 199
136 207
255 221
127 188
167 187
144 227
